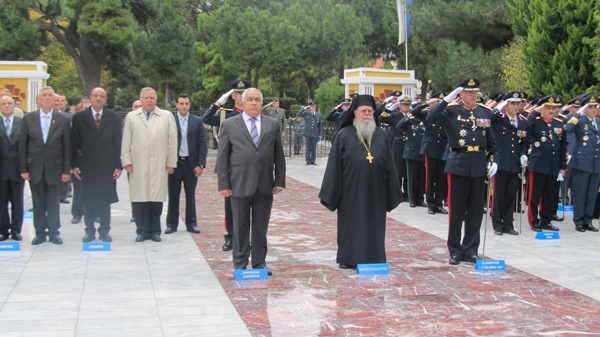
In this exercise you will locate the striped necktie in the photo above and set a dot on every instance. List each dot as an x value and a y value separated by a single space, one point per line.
254 131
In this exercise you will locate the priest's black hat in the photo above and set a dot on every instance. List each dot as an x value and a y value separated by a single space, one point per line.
358 101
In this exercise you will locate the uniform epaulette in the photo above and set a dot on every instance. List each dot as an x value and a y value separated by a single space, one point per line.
453 104
411 117
557 119
384 114
561 115
484 106
539 117
521 117
225 109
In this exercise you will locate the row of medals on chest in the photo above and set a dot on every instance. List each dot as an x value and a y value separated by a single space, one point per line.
474 123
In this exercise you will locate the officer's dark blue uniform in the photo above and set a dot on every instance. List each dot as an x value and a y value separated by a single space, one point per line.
471 143
510 132
399 138
584 163
415 161
433 147
336 115
548 146
313 131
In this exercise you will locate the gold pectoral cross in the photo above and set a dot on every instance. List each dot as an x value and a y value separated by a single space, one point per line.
370 157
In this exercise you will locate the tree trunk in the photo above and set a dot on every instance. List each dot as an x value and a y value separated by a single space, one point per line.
167 104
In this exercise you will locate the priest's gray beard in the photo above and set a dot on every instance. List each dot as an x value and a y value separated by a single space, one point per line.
366 128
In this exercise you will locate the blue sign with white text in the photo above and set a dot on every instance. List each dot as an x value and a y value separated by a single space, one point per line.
96 246
9 246
547 236
373 269
490 265
250 274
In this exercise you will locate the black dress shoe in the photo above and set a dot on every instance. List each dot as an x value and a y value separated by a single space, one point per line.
16 236
269 272
441 210
555 217
76 220
421 204
105 238
170 230
471 258
55 239
347 266
431 210
38 239
88 238
155 238
511 232
4 237
140 238
536 228
65 201
193 230
454 259
550 227
132 219
590 228
497 232
580 228
412 204
228 245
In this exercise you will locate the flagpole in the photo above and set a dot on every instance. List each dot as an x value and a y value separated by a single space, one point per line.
405 37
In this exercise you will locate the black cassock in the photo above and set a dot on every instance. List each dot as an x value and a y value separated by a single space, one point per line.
362 193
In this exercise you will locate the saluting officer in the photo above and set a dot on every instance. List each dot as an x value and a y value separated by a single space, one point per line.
471 145
415 160
313 131
433 147
337 114
584 162
547 163
391 115
510 131
214 116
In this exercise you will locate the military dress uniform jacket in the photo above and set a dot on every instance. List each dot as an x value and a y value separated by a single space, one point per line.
434 141
471 142
512 141
548 145
336 116
585 150
415 130
313 123
212 115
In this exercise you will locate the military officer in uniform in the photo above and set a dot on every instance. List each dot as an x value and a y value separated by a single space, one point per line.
415 160
584 162
313 131
297 127
472 147
510 130
547 163
433 147
337 114
391 115
272 109
214 116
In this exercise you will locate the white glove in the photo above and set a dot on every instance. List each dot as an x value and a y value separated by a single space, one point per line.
568 158
560 177
523 160
225 96
389 99
579 112
492 169
452 96
393 106
501 105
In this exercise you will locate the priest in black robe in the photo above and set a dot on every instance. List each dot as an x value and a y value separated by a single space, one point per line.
361 183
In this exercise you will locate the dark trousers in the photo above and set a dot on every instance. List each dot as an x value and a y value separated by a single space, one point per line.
252 210
311 149
98 210
77 201
505 186
542 200
65 188
415 171
11 220
147 217
583 195
228 218
464 203
46 207
182 174
297 144
436 185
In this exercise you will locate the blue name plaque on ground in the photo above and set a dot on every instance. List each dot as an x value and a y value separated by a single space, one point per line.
490 265
96 246
373 269
547 236
9 246
250 274
28 215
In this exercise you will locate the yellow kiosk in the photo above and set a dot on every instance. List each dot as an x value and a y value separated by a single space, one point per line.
379 82
24 79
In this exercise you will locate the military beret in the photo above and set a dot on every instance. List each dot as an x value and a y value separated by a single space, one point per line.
405 100
240 85
438 95
513 96
550 100
590 100
470 84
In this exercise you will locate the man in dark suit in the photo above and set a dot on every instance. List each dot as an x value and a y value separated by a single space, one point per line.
250 170
45 160
96 138
11 183
191 161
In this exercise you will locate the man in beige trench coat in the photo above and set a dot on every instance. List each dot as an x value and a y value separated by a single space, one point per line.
149 154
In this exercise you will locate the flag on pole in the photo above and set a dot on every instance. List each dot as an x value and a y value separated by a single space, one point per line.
403 20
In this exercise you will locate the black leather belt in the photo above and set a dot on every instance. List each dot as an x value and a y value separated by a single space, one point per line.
183 158
475 148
